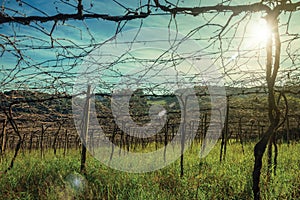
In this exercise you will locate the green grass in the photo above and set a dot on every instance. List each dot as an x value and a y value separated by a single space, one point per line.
59 178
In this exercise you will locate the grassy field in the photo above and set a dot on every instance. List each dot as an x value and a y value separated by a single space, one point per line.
59 178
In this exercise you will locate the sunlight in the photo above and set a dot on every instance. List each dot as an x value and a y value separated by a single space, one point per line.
261 31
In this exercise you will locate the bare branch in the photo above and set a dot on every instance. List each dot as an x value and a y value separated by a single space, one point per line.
66 17
255 7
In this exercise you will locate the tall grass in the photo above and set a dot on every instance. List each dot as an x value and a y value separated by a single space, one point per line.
59 178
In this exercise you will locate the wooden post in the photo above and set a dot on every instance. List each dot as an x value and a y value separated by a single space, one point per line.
122 132
205 128
54 145
86 119
224 134
287 130
113 141
166 139
156 140
24 143
226 129
3 144
42 141
183 134
66 142
30 142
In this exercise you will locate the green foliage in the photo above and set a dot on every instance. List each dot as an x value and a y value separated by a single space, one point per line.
59 178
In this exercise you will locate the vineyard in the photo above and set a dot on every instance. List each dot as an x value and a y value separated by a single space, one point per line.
47 123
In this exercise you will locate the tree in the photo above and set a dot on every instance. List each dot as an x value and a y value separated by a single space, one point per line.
225 41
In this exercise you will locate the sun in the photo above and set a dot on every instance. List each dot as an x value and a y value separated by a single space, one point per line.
261 31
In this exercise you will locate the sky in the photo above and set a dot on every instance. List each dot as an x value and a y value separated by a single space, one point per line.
54 62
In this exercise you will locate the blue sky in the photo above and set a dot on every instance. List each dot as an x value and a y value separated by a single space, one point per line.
44 65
